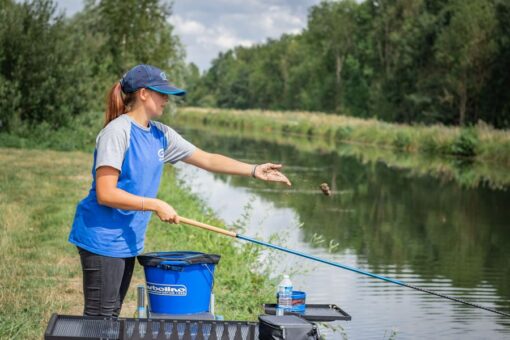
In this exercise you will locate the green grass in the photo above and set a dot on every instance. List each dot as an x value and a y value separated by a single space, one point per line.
79 135
40 271
481 143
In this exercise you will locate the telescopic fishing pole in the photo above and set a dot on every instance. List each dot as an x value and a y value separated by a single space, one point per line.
335 264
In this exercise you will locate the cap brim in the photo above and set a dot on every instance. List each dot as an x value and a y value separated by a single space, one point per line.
167 89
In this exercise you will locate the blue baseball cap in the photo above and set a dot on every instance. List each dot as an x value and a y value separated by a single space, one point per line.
148 76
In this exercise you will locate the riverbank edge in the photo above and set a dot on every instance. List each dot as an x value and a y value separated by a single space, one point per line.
466 172
40 272
480 142
469 172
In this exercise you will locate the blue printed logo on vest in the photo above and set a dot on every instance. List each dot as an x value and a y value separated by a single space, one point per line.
161 154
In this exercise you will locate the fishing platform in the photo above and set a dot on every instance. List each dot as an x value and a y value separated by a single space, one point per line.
180 306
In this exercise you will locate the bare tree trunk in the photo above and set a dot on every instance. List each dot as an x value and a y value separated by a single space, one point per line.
463 101
339 65
462 111
285 75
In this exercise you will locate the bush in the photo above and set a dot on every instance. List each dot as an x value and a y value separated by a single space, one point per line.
402 140
428 144
465 144
343 132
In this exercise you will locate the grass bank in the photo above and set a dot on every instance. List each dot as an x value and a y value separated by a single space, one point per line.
467 172
40 271
480 142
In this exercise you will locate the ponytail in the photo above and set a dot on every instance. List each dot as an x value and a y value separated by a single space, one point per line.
117 103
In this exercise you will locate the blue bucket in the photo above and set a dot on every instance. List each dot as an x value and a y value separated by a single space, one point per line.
179 282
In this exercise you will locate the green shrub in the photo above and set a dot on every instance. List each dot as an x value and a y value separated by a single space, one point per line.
402 140
343 132
466 143
329 132
428 144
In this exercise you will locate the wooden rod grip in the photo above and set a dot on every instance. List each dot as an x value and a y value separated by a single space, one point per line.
207 226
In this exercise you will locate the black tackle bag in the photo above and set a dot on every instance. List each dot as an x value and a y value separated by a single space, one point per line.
286 327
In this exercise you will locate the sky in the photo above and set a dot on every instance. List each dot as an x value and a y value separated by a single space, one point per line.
207 27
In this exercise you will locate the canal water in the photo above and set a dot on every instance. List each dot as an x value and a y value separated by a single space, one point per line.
425 230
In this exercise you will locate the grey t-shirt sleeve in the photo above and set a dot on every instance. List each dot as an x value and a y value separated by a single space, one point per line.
178 147
111 145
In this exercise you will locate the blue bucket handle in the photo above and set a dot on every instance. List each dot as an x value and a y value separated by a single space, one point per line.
173 265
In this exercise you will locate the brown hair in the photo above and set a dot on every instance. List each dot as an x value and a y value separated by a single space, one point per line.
117 102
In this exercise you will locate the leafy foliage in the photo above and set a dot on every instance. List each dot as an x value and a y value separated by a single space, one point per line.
407 61
53 68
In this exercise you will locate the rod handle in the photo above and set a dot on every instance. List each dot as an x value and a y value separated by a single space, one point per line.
207 226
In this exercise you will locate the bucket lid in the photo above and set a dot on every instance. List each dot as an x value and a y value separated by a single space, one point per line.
187 257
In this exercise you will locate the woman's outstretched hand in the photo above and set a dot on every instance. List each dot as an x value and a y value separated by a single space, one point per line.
270 172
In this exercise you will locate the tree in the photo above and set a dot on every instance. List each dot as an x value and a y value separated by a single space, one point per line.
465 49
53 68
138 31
331 26
425 61
38 66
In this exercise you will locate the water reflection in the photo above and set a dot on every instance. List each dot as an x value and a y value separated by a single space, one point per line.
419 229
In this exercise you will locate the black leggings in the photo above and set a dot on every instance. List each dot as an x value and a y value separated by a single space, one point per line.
105 282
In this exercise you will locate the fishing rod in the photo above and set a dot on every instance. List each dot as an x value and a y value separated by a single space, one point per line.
332 263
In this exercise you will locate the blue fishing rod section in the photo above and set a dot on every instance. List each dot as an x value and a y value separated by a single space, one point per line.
363 272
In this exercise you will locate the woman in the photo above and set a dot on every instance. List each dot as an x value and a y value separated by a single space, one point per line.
109 224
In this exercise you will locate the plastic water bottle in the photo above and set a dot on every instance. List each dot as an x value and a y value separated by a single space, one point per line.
284 296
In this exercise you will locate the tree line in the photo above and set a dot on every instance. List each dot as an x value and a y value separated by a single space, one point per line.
424 61
412 61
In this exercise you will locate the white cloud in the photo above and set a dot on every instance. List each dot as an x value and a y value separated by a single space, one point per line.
187 27
204 43
196 33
